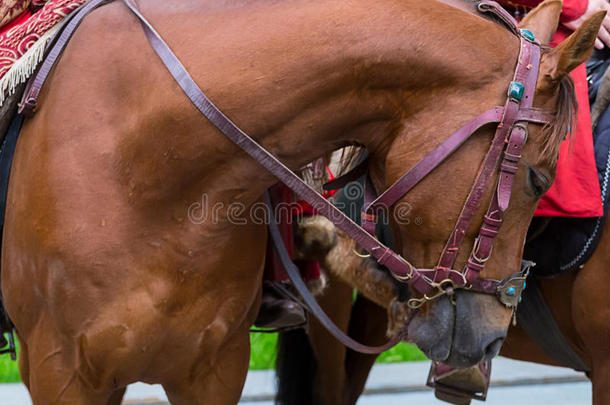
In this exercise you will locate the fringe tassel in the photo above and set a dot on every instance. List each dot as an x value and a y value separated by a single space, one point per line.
23 68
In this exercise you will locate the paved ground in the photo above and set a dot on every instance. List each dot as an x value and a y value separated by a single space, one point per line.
397 384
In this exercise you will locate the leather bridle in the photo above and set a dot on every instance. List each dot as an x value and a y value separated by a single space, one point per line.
507 144
505 151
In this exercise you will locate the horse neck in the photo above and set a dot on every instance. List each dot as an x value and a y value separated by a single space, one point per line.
362 70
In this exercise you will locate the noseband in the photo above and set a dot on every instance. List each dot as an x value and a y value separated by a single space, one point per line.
511 134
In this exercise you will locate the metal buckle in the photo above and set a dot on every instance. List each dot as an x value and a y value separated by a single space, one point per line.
408 276
474 252
361 255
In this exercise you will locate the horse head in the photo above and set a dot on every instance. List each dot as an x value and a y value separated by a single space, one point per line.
467 327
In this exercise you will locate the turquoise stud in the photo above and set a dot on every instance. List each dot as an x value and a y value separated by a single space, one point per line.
520 299
515 91
524 284
528 35
511 291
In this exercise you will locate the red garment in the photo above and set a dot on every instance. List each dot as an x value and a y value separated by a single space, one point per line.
575 192
572 9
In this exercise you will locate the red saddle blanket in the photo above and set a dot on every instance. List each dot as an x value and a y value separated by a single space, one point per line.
24 23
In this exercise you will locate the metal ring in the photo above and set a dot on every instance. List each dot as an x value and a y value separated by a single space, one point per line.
360 255
415 303
439 285
408 276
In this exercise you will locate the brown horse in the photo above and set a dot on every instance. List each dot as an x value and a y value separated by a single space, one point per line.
129 252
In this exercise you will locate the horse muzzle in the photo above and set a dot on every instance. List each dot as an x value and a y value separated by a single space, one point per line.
462 331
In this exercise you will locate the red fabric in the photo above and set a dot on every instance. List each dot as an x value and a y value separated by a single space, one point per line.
572 9
25 32
575 192
20 19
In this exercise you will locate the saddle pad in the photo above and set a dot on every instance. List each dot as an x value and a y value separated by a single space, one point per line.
22 45
566 244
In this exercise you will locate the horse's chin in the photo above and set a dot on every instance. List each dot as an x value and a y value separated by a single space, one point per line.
461 335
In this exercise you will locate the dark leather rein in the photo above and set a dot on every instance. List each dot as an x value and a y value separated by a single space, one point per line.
510 136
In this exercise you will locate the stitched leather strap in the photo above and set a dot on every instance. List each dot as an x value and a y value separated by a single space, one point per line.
526 73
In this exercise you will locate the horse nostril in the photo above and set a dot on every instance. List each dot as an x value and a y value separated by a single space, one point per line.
493 348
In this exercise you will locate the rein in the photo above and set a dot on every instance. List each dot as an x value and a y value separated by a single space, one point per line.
506 147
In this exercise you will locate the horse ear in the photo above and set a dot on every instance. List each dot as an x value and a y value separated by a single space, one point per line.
542 21
575 50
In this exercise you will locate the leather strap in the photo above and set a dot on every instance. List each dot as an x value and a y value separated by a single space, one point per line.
490 163
443 151
493 8
527 73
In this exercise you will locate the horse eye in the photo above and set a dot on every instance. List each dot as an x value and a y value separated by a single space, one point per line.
538 182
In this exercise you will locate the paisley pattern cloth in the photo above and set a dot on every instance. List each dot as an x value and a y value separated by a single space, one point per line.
10 9
22 31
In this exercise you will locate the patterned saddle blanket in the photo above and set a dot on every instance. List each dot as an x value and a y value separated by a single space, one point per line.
558 245
26 26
